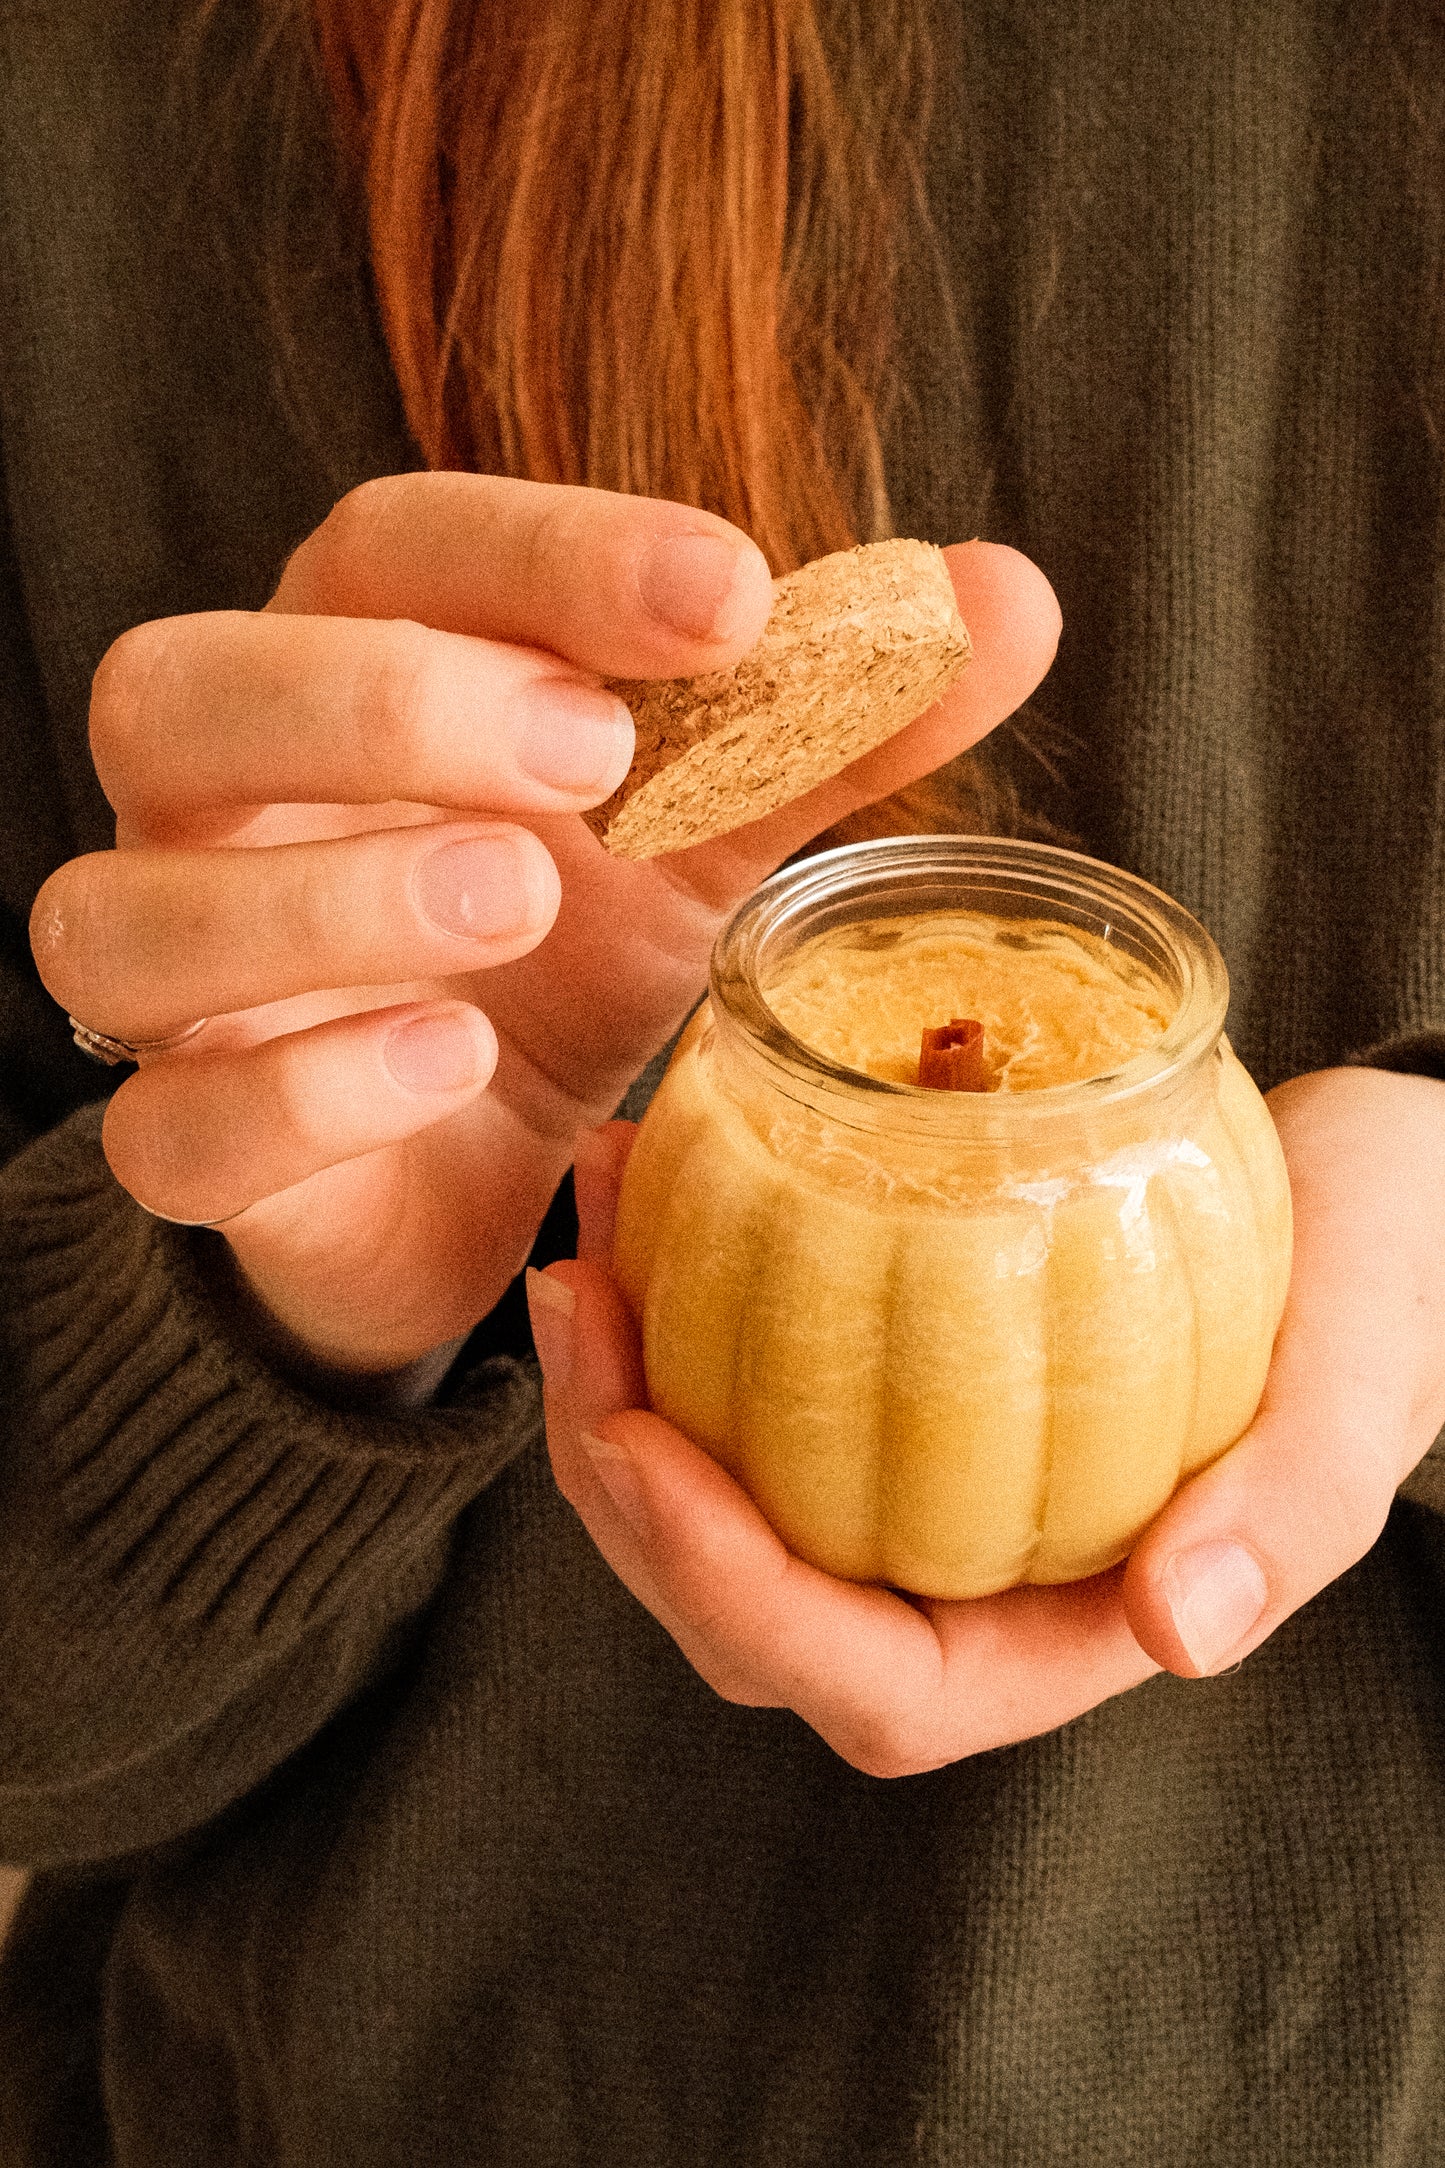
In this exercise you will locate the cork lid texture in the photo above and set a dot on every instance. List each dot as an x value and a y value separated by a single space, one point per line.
857 645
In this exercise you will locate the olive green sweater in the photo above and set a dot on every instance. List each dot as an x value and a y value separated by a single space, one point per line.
373 1822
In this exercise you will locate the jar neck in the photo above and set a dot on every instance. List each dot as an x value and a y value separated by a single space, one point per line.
914 876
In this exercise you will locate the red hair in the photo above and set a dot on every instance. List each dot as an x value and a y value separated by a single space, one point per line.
647 245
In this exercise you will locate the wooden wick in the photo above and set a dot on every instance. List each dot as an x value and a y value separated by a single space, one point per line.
951 1059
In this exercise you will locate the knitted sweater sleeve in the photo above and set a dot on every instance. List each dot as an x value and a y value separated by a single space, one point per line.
199 1564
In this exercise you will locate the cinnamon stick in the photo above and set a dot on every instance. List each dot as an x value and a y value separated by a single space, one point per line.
951 1058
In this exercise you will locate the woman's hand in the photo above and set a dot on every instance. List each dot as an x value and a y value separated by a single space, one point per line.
1356 1393
348 833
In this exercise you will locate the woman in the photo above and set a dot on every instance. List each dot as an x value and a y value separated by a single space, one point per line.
373 1815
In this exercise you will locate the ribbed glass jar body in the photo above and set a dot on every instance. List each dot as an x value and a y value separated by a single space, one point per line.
954 1341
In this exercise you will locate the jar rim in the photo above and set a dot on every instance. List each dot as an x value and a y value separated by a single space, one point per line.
884 876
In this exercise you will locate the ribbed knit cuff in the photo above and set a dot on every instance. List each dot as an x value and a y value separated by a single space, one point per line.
191 1475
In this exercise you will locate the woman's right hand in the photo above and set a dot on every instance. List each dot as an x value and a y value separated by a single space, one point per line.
348 834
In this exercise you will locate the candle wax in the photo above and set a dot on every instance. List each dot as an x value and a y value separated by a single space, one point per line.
1057 1003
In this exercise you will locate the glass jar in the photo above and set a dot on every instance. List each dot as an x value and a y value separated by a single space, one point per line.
956 1340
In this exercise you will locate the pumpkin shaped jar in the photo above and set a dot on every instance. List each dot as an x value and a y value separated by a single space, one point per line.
956 1340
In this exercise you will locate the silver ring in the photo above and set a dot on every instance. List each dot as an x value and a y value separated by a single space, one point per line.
101 1047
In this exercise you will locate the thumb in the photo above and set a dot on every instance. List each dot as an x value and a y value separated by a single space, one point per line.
1300 1499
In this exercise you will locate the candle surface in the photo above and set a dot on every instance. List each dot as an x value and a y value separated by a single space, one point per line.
1057 1003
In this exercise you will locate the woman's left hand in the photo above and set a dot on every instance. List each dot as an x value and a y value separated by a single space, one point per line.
1355 1394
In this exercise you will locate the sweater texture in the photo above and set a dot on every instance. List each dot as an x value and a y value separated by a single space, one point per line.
371 1820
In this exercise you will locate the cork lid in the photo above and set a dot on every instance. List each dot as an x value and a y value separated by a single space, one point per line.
857 645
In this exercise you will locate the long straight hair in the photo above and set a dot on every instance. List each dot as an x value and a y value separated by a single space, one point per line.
646 245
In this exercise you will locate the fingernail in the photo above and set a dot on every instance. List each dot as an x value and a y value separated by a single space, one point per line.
434 1054
691 582
1215 1594
571 737
618 1478
552 1307
486 886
